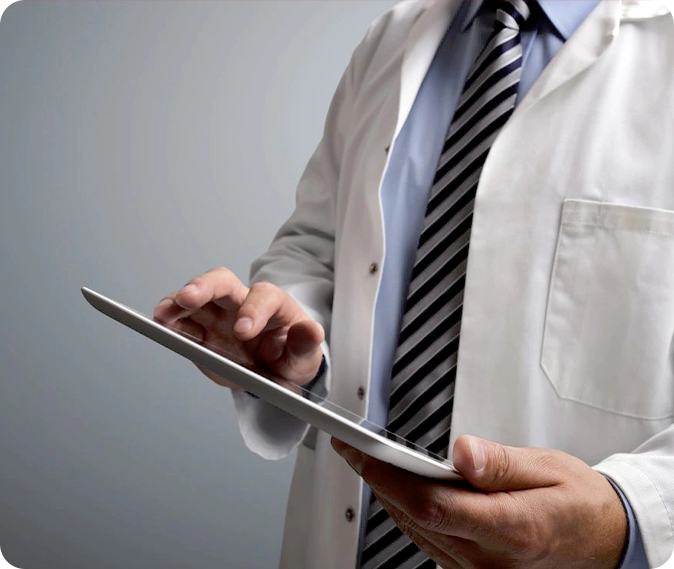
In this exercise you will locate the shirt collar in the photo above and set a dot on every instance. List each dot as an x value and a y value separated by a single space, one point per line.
565 15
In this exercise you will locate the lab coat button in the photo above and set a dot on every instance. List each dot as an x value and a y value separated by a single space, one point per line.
374 267
361 393
387 149
349 514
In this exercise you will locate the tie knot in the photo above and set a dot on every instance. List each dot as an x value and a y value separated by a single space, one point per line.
513 13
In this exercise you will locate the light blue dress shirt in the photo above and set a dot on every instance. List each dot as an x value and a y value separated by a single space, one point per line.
412 166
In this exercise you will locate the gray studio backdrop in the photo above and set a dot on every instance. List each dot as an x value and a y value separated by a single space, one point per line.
142 143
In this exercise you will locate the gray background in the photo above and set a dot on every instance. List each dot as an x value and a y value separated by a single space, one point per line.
141 144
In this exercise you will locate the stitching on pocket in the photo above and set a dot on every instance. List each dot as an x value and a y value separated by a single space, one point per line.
618 217
559 334
617 228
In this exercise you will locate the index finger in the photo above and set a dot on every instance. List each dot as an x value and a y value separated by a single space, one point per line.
267 307
219 285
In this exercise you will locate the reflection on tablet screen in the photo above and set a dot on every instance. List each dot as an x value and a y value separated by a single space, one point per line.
241 359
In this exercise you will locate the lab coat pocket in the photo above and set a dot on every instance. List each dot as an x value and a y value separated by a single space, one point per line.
609 325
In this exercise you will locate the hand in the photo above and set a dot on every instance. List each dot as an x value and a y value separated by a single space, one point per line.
527 508
261 325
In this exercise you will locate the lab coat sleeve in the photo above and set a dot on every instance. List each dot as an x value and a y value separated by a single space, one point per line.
646 477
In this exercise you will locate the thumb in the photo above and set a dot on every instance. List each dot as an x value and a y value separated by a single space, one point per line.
492 467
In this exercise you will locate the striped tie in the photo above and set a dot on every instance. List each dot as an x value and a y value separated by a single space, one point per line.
424 368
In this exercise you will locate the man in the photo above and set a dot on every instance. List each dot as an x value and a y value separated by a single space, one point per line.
565 311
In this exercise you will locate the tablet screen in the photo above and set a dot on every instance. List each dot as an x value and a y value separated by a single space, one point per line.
239 359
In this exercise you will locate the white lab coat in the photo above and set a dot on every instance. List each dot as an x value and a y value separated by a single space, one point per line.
567 336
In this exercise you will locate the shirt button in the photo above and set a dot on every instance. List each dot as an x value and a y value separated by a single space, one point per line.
374 267
349 514
361 393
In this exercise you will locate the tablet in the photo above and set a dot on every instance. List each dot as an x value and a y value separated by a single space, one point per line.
306 406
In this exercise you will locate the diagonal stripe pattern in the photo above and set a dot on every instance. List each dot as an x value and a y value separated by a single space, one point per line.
424 368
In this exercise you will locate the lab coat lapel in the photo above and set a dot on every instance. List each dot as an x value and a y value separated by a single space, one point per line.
420 49
581 50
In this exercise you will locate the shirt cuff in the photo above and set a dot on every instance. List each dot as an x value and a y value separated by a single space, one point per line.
634 556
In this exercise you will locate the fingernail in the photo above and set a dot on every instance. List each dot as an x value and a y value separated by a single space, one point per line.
188 288
338 445
243 324
353 457
355 460
165 302
479 453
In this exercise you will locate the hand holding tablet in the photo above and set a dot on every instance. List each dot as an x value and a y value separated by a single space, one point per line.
202 326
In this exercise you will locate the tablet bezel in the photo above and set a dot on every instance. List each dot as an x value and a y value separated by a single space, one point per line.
304 409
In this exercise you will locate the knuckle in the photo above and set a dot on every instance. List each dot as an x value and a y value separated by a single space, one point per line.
222 271
214 276
555 465
405 523
519 538
519 542
433 513
264 288
163 305
407 526
548 459
439 517
527 537
502 466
